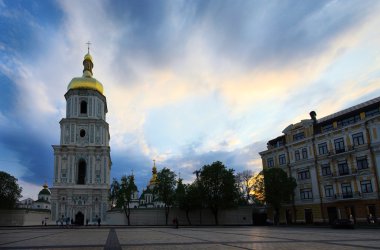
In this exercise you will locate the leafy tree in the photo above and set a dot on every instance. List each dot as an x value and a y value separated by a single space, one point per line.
188 198
10 191
181 199
197 195
279 188
245 185
165 189
180 193
122 192
219 187
258 189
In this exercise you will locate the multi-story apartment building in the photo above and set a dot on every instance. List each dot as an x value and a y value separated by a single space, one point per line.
336 162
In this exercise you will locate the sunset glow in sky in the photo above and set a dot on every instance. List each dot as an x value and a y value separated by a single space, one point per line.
187 82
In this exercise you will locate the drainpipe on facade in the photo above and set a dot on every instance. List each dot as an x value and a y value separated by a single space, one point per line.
318 179
313 116
290 175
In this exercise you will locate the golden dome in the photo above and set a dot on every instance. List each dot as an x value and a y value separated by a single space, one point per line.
153 180
86 81
88 57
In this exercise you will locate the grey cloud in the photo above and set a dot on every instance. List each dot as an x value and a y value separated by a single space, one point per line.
278 33
248 33
32 151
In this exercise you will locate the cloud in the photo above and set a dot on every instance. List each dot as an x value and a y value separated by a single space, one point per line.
187 83
239 159
29 190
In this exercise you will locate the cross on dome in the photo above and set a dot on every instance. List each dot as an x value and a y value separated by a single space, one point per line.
88 47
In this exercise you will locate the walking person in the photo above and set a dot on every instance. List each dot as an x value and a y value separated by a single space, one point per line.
370 219
175 222
68 222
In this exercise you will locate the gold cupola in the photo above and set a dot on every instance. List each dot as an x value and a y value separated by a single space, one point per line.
86 81
153 180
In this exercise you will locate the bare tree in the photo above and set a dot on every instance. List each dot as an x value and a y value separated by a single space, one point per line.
245 184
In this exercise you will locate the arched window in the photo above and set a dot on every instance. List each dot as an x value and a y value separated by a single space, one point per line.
81 172
83 107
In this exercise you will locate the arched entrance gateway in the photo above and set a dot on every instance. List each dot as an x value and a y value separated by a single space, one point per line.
79 219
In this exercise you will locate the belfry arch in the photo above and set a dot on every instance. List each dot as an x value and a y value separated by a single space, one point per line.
83 107
81 172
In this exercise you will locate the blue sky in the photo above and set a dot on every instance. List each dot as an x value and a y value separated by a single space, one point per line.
187 82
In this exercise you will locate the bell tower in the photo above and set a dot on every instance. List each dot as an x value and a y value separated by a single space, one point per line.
82 161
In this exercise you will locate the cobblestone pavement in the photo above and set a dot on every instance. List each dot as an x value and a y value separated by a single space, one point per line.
189 238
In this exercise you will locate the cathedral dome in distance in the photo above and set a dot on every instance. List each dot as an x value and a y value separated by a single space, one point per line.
86 81
45 190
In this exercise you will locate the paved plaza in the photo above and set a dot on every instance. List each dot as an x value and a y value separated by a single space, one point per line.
189 238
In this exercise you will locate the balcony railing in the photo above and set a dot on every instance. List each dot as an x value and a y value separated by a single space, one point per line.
346 149
348 195
351 195
350 172
341 150
343 173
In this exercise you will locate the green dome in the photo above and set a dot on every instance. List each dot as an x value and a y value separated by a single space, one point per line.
45 192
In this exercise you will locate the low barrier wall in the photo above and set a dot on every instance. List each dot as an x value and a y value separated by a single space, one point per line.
23 217
156 216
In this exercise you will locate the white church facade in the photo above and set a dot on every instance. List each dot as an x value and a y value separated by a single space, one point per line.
82 161
42 203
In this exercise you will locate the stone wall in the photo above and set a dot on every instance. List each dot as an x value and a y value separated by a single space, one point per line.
23 217
156 216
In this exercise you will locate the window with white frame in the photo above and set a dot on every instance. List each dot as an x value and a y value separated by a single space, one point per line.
281 159
298 136
348 121
346 190
303 175
327 128
366 186
329 191
372 112
297 155
361 162
326 169
322 148
306 194
270 162
343 168
339 145
304 153
358 139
